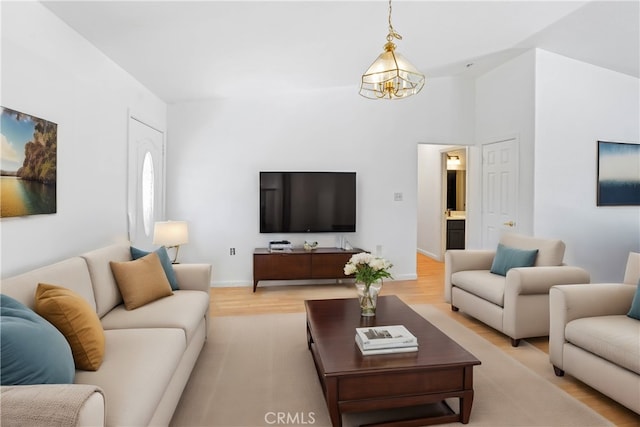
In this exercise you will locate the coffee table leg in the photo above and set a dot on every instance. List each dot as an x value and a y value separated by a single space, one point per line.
465 406
466 400
332 402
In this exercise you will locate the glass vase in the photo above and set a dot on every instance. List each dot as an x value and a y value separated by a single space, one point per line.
368 297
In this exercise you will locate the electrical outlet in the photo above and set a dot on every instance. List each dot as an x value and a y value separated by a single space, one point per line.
232 251
397 197
378 250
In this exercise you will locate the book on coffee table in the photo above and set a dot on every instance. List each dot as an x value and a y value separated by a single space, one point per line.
385 337
385 350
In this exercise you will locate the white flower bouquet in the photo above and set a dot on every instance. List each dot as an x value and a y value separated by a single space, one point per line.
367 268
369 271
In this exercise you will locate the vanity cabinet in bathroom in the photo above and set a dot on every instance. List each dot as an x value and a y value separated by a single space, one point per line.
455 233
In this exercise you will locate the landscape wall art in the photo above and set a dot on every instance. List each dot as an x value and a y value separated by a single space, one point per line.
28 164
618 174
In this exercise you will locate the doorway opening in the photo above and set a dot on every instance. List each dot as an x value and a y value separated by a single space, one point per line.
454 192
434 202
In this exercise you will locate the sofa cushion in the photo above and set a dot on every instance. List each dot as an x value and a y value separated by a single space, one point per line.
507 258
107 294
137 368
634 311
184 310
77 321
167 266
73 272
550 251
33 351
141 281
482 283
614 338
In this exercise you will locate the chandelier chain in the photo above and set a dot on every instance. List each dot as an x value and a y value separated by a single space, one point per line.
392 33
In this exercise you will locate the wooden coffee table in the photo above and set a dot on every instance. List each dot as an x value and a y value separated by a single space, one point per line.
440 369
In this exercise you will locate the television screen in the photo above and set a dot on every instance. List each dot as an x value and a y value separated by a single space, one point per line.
307 202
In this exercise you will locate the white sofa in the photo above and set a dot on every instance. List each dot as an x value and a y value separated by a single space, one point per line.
592 338
149 352
516 304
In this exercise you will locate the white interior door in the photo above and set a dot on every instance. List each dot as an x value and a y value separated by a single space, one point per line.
499 190
145 204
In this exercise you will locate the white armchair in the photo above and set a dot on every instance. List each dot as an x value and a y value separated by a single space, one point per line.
593 339
516 304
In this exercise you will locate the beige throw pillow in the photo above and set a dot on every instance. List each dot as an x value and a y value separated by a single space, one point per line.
77 320
141 281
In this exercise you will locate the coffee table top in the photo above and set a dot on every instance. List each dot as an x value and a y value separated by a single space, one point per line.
332 324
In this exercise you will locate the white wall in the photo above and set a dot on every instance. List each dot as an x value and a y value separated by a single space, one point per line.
559 108
578 104
49 71
216 148
430 200
505 108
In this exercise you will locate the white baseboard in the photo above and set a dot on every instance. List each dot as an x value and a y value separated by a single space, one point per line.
403 277
267 283
431 255
231 284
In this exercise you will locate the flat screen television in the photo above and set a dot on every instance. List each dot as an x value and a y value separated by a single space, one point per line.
307 202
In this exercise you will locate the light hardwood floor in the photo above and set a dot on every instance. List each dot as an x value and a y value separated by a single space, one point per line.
427 289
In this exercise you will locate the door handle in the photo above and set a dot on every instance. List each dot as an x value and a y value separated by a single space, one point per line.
509 224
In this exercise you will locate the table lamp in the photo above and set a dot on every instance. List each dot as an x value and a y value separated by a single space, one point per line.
171 234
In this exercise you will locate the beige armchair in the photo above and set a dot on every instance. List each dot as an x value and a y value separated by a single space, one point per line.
516 304
593 339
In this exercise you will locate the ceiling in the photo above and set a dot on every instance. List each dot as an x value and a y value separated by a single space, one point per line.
186 50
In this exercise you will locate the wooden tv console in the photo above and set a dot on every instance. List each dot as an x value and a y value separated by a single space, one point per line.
299 264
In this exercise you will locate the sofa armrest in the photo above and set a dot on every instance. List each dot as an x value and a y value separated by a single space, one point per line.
596 299
195 277
468 259
462 260
37 405
570 302
538 280
92 413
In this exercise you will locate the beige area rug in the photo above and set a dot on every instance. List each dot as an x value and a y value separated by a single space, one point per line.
257 371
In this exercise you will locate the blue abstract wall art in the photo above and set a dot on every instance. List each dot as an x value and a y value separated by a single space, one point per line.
618 174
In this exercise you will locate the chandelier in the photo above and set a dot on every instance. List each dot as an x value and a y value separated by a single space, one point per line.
391 76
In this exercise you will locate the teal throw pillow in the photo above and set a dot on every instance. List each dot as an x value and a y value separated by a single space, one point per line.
634 312
33 350
507 258
167 266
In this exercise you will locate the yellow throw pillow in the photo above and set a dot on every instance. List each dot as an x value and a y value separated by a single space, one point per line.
78 322
141 281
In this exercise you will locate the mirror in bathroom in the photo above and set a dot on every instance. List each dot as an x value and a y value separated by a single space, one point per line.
456 184
456 180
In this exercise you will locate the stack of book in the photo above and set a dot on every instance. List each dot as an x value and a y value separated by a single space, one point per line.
385 340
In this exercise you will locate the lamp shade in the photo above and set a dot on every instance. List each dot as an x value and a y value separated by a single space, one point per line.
170 233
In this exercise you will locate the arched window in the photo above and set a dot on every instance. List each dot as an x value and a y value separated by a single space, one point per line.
147 193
